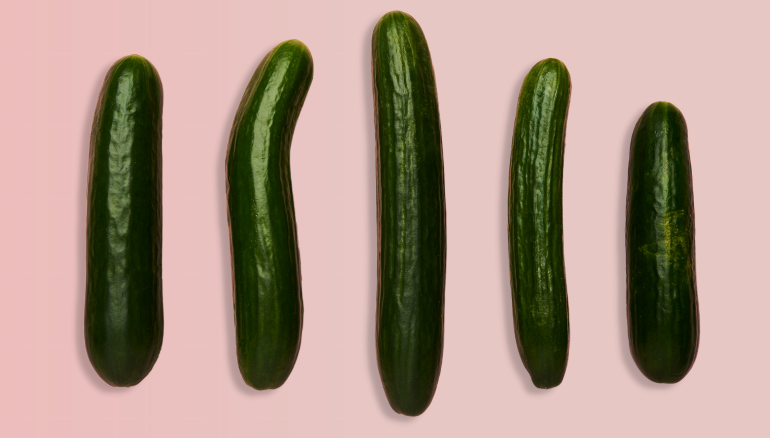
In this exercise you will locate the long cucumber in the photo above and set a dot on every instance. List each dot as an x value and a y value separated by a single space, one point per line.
411 215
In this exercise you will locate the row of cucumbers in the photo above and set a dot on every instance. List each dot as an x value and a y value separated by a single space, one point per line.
124 305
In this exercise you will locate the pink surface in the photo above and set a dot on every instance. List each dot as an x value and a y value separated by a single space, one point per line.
712 62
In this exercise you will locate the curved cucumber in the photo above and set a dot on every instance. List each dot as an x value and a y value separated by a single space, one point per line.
124 297
267 285
535 233
662 297
411 215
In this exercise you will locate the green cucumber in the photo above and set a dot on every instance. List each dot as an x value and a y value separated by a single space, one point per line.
411 215
535 232
661 294
267 284
124 291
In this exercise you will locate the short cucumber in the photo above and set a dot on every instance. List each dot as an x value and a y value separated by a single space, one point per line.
411 215
538 279
124 298
662 297
267 284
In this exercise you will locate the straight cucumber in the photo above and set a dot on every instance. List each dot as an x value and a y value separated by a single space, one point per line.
411 215
662 297
535 232
267 284
124 296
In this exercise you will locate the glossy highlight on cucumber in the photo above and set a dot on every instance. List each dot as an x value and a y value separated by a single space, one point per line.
661 294
535 231
411 215
124 292
267 283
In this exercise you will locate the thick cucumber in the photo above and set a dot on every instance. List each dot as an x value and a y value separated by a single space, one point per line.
124 292
267 285
662 297
411 215
535 233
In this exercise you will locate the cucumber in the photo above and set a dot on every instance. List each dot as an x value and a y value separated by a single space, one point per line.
411 215
124 290
661 294
535 232
267 284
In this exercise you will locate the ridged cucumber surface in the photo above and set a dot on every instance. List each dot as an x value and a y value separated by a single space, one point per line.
535 231
662 297
411 215
124 296
267 284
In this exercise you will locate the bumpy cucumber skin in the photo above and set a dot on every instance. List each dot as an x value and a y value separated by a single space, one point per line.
661 294
124 291
535 232
267 284
411 215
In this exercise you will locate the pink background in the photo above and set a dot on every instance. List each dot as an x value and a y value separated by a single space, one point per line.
710 61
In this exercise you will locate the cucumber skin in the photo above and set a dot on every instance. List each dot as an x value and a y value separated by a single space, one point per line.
267 284
661 294
124 292
535 231
411 215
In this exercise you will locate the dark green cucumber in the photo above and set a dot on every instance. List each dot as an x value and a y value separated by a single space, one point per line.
661 294
535 232
411 215
267 284
124 291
